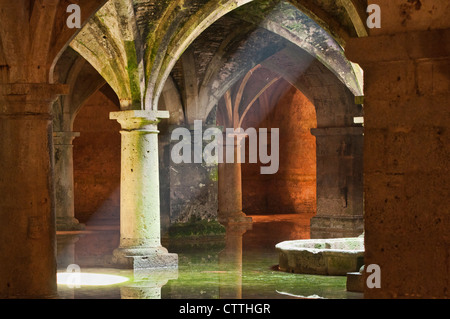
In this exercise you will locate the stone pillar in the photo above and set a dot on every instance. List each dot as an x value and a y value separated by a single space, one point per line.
65 206
406 156
339 183
230 185
193 186
140 226
27 213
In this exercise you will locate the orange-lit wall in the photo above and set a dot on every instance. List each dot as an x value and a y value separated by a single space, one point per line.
293 188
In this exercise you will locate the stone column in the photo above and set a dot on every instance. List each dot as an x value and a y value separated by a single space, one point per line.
339 183
140 232
406 159
27 212
230 185
193 186
65 206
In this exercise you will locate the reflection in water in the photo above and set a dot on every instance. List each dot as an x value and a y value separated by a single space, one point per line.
233 268
146 284
66 248
230 259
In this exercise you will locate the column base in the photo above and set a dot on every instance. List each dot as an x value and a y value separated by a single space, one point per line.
144 258
69 224
336 226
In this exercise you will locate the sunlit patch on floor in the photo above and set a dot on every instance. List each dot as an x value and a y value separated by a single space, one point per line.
87 279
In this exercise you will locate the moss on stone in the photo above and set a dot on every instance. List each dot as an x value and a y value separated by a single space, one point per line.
196 228
133 73
257 10
214 174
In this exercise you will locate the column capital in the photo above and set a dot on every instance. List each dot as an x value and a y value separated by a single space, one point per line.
29 98
139 120
337 131
64 138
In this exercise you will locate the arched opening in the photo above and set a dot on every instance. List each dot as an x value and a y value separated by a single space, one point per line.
97 161
292 189
301 86
298 91
284 200
183 57
97 176
96 184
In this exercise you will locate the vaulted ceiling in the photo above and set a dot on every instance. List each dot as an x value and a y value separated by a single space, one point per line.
136 45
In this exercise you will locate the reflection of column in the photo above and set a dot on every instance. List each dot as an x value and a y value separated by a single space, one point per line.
147 284
27 215
65 207
230 184
65 250
339 183
230 260
140 233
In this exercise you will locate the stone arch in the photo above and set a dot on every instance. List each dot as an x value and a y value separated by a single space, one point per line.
111 42
64 35
82 80
220 77
339 140
334 102
262 40
290 23
171 101
180 41
318 83
326 85
197 24
291 192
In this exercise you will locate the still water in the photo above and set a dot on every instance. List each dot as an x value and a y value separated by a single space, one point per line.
242 266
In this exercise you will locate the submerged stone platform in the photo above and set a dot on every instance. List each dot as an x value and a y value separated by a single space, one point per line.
334 257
